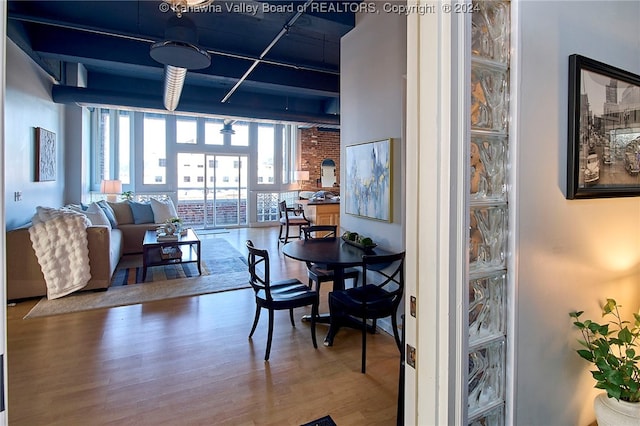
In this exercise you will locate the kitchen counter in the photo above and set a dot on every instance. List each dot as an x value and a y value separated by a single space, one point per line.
322 212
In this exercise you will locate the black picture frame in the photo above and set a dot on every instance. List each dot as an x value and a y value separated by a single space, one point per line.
604 130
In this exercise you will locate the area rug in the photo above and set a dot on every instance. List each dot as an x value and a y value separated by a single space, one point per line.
223 274
219 257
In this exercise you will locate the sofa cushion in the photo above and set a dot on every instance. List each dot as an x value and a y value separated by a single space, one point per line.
142 212
122 212
163 210
108 211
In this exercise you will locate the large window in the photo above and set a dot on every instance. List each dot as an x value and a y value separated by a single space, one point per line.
111 146
266 153
155 149
124 147
139 149
212 135
186 130
241 135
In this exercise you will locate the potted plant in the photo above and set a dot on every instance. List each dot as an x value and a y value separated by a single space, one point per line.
612 348
127 195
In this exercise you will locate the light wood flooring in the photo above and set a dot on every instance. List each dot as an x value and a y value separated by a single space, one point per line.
188 361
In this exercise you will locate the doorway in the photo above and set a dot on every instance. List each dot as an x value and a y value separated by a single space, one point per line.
212 189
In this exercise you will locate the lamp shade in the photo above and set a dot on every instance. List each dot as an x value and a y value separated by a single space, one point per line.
111 187
301 175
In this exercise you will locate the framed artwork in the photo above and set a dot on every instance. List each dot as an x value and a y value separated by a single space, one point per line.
45 155
368 180
604 130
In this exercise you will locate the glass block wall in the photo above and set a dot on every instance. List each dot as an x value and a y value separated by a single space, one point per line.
488 213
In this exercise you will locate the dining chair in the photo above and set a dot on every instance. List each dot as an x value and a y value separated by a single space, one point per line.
277 295
378 297
289 217
320 273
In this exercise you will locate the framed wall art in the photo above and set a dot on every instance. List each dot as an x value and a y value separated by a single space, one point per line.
604 130
368 180
45 155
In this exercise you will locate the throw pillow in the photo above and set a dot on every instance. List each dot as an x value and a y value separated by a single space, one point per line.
122 212
97 216
108 211
94 213
142 212
163 210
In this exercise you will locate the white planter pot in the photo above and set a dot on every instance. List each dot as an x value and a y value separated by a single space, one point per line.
611 412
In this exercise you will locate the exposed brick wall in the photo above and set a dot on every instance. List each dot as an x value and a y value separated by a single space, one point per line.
318 145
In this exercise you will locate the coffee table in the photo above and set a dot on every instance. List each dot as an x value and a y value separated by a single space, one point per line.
189 244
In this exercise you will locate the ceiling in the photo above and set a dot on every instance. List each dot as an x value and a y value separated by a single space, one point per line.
296 79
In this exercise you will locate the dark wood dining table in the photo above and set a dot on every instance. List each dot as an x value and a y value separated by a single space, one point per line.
336 255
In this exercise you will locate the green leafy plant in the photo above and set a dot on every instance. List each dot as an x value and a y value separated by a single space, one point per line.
175 220
612 348
127 195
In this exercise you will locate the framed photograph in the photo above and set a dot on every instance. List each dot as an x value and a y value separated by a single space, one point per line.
45 155
367 190
604 130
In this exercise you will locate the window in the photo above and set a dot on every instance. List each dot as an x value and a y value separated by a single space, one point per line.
266 172
106 145
186 179
241 137
186 130
124 147
111 145
212 135
154 149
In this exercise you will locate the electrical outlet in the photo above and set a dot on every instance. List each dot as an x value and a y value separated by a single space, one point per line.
17 196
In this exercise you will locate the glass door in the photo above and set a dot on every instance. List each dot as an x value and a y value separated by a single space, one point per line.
212 189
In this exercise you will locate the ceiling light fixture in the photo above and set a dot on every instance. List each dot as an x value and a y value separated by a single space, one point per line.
227 128
178 53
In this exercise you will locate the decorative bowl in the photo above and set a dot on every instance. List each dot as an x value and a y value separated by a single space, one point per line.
360 246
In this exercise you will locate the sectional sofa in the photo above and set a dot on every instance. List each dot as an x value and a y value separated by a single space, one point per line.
121 233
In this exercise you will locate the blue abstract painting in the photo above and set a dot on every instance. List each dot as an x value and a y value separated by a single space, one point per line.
367 192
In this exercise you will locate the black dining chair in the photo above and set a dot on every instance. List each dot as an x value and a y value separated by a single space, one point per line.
320 273
278 295
378 297
290 217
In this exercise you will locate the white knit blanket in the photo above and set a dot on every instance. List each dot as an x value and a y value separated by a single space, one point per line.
59 239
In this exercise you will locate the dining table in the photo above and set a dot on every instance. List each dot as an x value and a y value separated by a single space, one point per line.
337 255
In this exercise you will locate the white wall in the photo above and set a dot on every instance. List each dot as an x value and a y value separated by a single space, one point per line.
29 105
571 254
372 87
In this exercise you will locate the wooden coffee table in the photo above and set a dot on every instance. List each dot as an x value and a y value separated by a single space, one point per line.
152 249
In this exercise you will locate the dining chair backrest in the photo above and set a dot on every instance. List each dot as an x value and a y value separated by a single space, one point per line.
282 209
385 272
319 231
258 261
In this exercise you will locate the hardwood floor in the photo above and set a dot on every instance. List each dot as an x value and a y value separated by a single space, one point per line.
188 361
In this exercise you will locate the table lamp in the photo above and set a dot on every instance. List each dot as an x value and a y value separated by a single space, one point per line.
111 188
301 175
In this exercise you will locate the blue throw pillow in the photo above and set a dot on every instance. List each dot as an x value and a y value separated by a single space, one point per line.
109 212
142 212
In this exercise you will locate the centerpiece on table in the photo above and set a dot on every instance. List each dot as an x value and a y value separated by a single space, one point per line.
613 349
174 225
357 240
